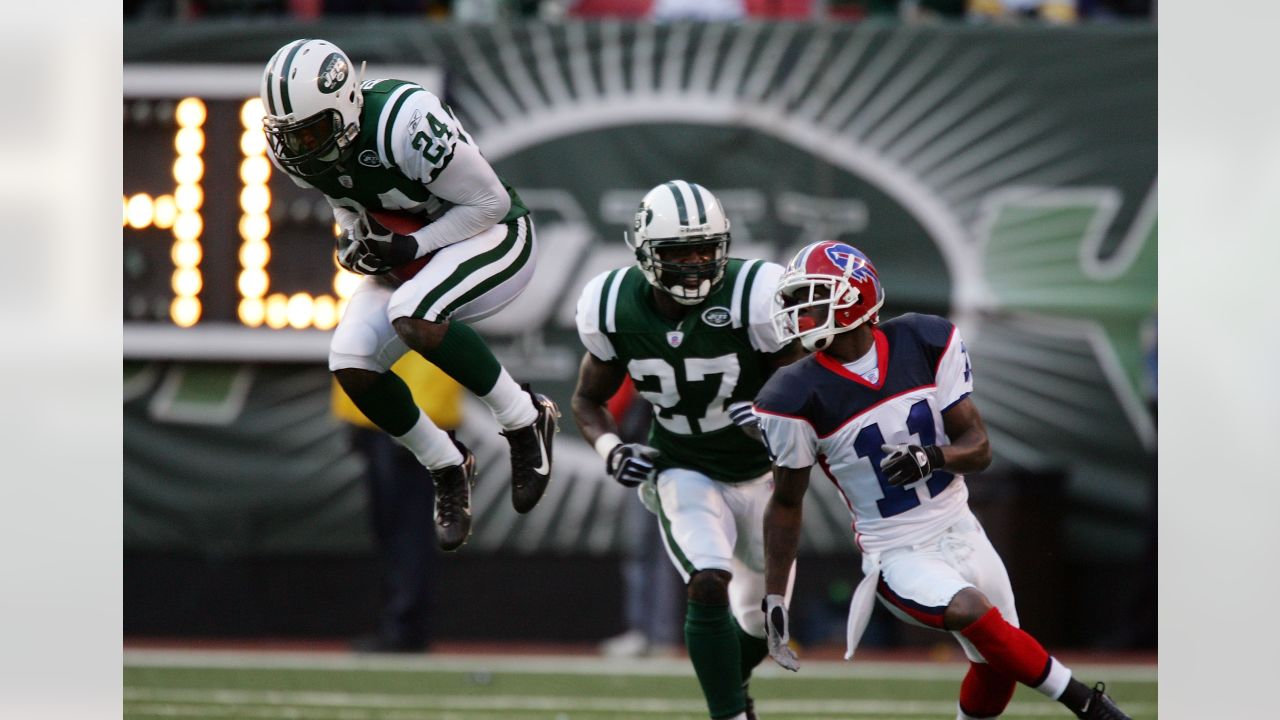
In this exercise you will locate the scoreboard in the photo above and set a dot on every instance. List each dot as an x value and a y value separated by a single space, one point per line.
214 236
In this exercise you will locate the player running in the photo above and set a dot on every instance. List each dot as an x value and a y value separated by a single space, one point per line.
885 411
692 328
389 153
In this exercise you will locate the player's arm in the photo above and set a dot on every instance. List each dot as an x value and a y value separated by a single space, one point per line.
969 451
628 463
479 197
432 152
597 382
782 519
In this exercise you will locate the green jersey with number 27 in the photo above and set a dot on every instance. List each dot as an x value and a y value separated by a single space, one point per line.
691 369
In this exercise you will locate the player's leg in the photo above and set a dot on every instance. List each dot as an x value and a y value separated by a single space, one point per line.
985 621
468 281
747 502
362 351
918 585
699 533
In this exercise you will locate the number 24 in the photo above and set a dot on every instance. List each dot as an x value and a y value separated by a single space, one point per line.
433 151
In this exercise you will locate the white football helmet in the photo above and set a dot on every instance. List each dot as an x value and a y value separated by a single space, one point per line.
313 102
681 217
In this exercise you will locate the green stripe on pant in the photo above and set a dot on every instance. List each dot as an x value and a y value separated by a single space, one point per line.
470 267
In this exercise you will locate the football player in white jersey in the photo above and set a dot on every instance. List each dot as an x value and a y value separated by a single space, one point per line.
693 329
442 241
884 410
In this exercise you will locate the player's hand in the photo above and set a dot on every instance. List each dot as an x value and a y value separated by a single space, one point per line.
391 247
356 256
905 464
777 627
741 415
631 463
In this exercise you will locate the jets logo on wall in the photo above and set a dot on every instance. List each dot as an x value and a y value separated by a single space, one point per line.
957 180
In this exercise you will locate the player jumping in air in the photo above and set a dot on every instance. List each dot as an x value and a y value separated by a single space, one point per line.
388 151
692 328
885 411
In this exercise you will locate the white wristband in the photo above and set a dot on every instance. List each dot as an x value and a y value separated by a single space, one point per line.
606 443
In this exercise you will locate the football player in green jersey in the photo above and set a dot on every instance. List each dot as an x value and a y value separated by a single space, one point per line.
692 328
388 152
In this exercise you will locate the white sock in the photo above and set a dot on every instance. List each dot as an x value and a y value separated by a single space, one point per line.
1056 681
512 406
430 444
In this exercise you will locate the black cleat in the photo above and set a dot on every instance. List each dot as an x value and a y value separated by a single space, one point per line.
1101 706
453 500
531 453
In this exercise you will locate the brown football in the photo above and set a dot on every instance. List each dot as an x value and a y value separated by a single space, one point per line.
404 223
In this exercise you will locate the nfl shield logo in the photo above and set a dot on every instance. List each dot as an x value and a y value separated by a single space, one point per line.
674 338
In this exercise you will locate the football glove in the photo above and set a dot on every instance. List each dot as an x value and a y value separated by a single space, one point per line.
776 627
631 463
355 255
391 247
908 463
741 415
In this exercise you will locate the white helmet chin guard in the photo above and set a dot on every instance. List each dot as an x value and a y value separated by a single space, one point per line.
678 219
313 100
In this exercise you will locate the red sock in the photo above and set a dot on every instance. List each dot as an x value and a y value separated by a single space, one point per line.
1010 651
985 693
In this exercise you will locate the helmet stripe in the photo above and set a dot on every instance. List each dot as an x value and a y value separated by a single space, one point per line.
284 76
270 83
697 196
680 208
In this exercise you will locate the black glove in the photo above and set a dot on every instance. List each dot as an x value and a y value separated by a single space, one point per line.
356 256
391 247
909 463
631 463
742 416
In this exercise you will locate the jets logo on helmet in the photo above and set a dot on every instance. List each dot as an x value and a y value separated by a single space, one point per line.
828 288
333 73
681 240
313 112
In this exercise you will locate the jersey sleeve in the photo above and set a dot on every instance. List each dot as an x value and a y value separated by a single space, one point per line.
760 304
791 442
954 376
424 140
783 406
587 318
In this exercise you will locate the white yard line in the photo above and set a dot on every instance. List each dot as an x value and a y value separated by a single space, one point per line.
355 706
579 665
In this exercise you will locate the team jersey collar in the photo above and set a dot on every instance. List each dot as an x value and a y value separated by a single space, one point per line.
882 362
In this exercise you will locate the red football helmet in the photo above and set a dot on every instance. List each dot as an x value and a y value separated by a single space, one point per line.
852 296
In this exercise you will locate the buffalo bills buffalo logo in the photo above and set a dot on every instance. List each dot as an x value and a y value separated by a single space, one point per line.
851 260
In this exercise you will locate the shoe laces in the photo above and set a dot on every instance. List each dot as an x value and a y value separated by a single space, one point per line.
451 497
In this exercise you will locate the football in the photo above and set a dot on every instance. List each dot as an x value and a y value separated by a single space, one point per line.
404 223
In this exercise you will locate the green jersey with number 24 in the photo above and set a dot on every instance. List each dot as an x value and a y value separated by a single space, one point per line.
691 369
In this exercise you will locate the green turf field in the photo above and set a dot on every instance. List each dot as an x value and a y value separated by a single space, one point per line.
341 687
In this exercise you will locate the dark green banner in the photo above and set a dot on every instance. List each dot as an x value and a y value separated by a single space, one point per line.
1002 177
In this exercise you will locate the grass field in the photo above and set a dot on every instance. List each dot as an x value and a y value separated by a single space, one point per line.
284 686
